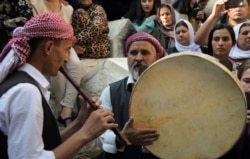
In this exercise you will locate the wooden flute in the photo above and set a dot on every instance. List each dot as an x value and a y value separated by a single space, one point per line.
94 107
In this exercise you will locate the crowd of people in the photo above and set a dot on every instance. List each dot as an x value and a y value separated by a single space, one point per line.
39 37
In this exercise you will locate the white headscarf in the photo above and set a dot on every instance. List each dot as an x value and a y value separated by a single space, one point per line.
236 52
192 45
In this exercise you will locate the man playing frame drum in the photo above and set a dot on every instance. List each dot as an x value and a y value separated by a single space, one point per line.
142 50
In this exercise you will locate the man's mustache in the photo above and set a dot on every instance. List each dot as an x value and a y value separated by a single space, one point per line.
137 65
140 67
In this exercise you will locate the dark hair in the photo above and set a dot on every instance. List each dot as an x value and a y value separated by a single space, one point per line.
164 6
35 42
181 23
219 27
242 68
182 6
171 9
140 14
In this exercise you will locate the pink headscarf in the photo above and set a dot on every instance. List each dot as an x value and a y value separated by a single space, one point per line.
143 36
43 26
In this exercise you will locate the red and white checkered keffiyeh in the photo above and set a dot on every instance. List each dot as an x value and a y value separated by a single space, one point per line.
43 26
143 36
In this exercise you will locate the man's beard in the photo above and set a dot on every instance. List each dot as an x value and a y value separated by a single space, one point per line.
137 69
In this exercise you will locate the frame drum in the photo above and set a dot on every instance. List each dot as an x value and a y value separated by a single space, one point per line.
196 104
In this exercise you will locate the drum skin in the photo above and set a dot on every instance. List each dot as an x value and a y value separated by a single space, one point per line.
195 103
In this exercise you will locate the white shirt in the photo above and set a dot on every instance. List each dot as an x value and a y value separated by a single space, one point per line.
21 117
107 139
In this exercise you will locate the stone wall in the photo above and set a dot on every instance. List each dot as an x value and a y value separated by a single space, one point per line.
119 31
102 73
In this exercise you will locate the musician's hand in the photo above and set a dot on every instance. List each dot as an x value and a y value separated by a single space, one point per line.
98 122
142 136
86 109
248 116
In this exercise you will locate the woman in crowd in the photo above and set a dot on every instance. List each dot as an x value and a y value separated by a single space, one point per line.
146 18
241 50
165 32
184 39
91 30
244 77
220 41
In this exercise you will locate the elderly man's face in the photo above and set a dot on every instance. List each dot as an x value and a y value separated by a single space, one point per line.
140 54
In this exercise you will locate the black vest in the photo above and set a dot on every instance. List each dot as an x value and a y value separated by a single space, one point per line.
51 136
120 96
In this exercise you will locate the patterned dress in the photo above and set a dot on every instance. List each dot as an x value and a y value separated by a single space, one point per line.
16 8
12 9
91 31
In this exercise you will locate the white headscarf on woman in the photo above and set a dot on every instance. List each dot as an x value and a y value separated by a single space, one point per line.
192 45
236 52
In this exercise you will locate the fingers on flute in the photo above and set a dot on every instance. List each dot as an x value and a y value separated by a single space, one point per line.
96 101
107 118
98 122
